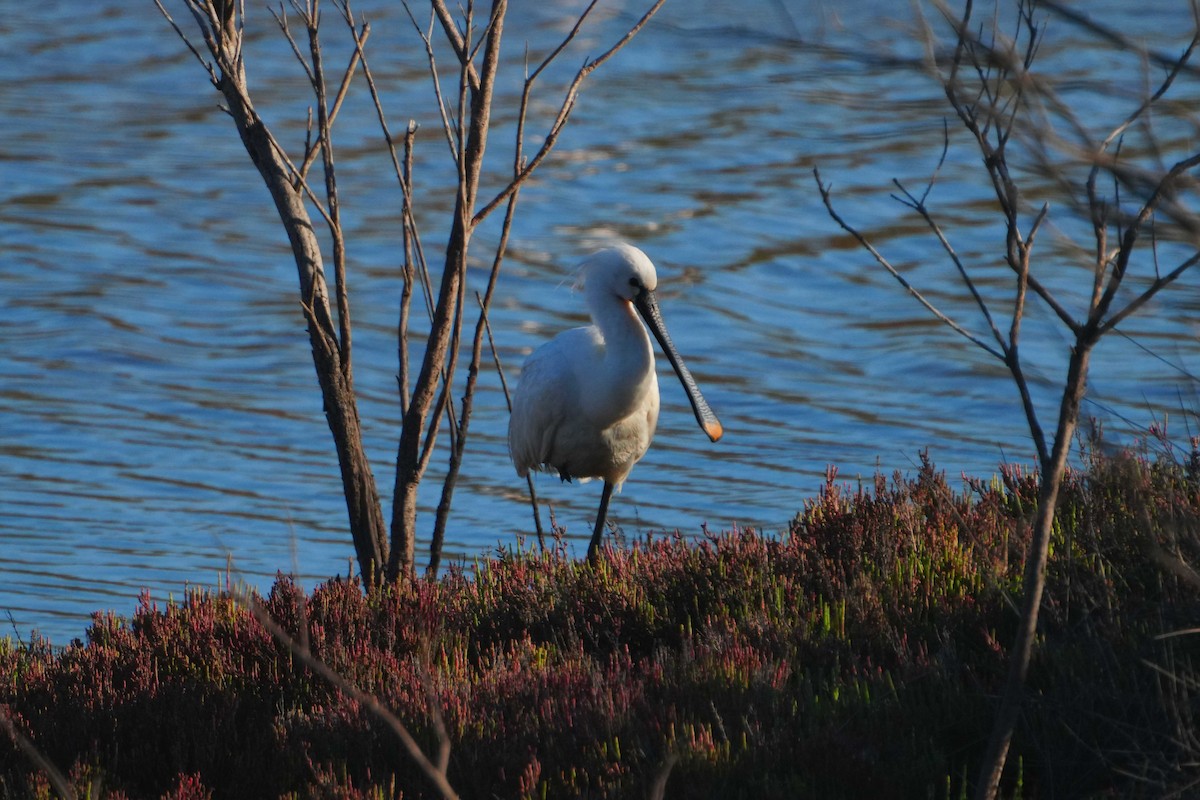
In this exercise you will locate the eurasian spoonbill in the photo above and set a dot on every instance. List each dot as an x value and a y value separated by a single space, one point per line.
586 404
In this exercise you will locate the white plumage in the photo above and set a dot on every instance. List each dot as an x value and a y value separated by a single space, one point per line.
587 402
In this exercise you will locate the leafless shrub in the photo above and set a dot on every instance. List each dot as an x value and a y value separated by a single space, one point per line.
1000 99
474 37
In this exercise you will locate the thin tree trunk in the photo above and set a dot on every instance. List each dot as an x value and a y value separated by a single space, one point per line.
410 458
409 466
1053 470
329 333
341 412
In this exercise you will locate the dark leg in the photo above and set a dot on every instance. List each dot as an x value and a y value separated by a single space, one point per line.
601 515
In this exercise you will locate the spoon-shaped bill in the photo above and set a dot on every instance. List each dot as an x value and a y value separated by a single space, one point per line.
647 305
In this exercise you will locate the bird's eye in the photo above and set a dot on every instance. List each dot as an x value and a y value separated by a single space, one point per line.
635 283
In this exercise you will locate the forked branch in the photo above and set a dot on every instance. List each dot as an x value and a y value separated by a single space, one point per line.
995 93
895 273
467 133
434 771
221 25
567 106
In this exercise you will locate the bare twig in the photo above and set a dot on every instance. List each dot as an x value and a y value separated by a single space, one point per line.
1115 37
402 166
461 49
451 132
477 54
533 501
990 84
223 30
456 454
1160 283
360 40
565 109
436 772
895 273
1159 195
23 743
919 206
208 67
325 142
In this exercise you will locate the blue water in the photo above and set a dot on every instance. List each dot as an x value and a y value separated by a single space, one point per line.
159 417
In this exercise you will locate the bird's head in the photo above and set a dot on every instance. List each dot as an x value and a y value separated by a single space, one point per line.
625 272
622 271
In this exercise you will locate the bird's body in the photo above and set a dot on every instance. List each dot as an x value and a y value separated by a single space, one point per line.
587 402
563 420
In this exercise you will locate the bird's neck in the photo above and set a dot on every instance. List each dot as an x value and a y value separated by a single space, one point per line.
628 362
626 342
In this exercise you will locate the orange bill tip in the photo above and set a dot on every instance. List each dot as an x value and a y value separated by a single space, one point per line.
714 430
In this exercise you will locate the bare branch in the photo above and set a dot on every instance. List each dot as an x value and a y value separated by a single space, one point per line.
1021 292
404 177
402 166
23 743
537 518
1159 196
208 67
223 31
1120 40
1158 285
457 42
456 455
360 40
445 399
866 244
448 128
918 205
562 45
435 772
411 241
446 326
1138 113
483 35
281 20
565 109
325 142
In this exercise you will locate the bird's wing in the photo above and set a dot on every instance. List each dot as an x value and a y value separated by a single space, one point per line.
545 399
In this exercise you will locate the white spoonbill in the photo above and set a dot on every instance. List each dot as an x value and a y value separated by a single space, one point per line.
587 402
